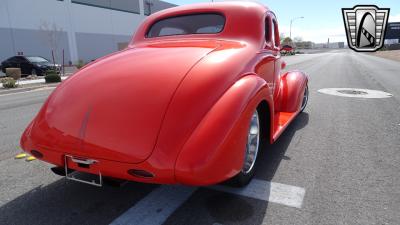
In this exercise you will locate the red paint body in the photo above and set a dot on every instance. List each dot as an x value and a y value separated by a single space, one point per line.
176 106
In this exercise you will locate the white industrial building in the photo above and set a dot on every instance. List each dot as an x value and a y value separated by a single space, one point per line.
84 29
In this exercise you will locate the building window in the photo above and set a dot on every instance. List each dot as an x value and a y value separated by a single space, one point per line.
123 6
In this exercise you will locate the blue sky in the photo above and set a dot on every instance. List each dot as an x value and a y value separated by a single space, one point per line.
322 19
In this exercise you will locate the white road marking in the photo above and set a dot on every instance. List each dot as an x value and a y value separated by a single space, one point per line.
269 191
156 207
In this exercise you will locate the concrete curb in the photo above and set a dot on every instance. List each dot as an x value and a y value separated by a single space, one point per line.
37 81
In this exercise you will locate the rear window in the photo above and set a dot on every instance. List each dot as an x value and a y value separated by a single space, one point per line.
210 23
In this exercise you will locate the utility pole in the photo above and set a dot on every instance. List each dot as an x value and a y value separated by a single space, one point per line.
291 22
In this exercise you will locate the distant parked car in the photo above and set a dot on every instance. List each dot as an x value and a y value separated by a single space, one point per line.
287 50
34 65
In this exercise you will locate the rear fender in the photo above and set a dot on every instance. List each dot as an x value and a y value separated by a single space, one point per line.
215 150
291 91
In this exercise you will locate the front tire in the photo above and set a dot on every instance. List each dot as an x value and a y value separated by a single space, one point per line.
305 99
251 153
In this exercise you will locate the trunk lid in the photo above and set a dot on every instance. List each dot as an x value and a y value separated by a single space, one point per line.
113 109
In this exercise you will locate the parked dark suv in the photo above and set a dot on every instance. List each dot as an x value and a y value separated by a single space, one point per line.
34 65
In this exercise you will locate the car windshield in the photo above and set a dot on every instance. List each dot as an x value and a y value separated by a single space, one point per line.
36 59
209 23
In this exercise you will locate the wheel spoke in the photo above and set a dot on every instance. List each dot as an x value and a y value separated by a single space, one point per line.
305 99
252 145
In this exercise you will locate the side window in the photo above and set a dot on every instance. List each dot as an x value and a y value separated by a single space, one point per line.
266 29
12 59
19 59
276 34
273 32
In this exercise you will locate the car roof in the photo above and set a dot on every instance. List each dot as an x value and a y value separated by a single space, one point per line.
221 6
244 20
25 56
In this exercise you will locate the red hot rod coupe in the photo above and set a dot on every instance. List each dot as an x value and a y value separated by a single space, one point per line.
189 101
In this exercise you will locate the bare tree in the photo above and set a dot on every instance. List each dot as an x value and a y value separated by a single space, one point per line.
52 35
287 41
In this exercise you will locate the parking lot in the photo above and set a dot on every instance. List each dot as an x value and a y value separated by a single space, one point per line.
337 163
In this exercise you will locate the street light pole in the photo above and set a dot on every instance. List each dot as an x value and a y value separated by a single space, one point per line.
291 21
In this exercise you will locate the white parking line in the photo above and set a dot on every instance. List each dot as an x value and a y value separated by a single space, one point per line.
269 191
157 206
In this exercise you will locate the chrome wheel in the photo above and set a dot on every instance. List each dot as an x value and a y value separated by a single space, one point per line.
33 72
305 99
253 141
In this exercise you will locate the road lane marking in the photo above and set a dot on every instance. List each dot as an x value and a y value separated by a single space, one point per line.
269 191
156 207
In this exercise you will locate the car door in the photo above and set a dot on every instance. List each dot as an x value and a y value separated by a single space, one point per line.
276 53
24 64
16 62
265 66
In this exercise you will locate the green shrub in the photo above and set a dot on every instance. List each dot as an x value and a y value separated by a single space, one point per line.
51 72
5 79
9 83
52 77
80 64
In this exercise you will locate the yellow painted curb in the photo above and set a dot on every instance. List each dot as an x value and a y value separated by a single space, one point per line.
30 158
20 156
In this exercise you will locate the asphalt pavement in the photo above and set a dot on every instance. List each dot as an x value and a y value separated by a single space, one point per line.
337 163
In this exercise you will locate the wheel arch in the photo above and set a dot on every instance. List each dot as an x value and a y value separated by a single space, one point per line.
265 115
292 85
213 153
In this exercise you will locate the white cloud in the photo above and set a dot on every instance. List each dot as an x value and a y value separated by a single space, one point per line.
394 18
334 34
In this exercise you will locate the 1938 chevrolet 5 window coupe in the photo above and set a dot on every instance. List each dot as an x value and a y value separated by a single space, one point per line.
189 101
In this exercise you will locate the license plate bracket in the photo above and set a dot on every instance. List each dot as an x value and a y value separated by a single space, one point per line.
82 161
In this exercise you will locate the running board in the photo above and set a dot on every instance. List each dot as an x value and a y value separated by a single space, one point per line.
281 121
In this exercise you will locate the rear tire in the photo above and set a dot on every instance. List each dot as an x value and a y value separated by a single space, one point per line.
251 153
33 72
